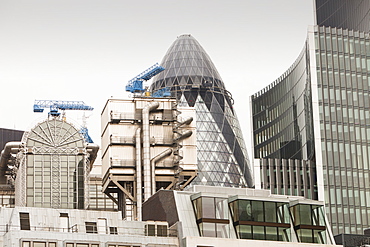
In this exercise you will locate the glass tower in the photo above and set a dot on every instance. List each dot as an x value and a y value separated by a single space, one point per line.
311 126
194 81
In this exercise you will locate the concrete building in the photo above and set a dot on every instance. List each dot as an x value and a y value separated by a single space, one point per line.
47 227
311 130
194 80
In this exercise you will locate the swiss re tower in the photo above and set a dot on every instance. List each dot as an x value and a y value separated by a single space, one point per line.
194 81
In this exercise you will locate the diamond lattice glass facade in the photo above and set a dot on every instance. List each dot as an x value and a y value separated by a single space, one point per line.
194 81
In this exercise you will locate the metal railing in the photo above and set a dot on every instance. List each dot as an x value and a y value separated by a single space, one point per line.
81 228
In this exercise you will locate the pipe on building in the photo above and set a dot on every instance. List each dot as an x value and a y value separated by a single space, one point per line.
157 158
146 147
139 192
186 121
184 135
92 149
10 148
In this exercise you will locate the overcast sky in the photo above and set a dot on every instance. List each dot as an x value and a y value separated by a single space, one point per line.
88 49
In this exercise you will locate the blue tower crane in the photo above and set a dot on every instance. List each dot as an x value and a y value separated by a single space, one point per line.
56 105
135 85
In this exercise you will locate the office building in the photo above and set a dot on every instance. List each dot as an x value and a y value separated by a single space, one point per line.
194 80
311 129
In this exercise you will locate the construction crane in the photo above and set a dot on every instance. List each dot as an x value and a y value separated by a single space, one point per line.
135 85
56 105
163 92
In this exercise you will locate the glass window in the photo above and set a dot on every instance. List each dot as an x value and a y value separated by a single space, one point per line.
150 230
39 244
91 227
208 207
284 234
245 210
221 208
208 229
24 221
26 244
257 211
162 230
305 235
270 212
271 233
222 230
82 245
244 231
259 232
113 230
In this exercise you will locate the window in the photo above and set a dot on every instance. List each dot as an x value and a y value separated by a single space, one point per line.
24 221
150 230
81 245
91 227
123 245
161 230
212 216
262 220
38 244
113 230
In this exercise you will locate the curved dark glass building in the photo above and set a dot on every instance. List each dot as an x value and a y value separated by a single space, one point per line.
353 14
283 133
311 126
194 81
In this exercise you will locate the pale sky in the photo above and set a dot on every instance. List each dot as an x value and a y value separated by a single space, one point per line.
87 50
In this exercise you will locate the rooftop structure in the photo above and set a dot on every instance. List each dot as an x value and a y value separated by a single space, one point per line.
241 213
147 144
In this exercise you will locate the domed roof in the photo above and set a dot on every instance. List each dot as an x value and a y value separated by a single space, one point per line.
186 57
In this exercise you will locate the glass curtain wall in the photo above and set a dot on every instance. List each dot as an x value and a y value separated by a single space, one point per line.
194 80
283 134
343 78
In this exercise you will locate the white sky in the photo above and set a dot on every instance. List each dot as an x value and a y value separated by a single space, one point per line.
88 49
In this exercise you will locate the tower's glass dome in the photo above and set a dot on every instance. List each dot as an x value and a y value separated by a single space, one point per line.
194 81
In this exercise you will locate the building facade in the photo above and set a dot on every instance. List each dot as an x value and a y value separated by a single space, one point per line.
194 81
311 131
241 213
147 144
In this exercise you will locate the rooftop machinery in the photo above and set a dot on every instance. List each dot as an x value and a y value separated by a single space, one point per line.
56 105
